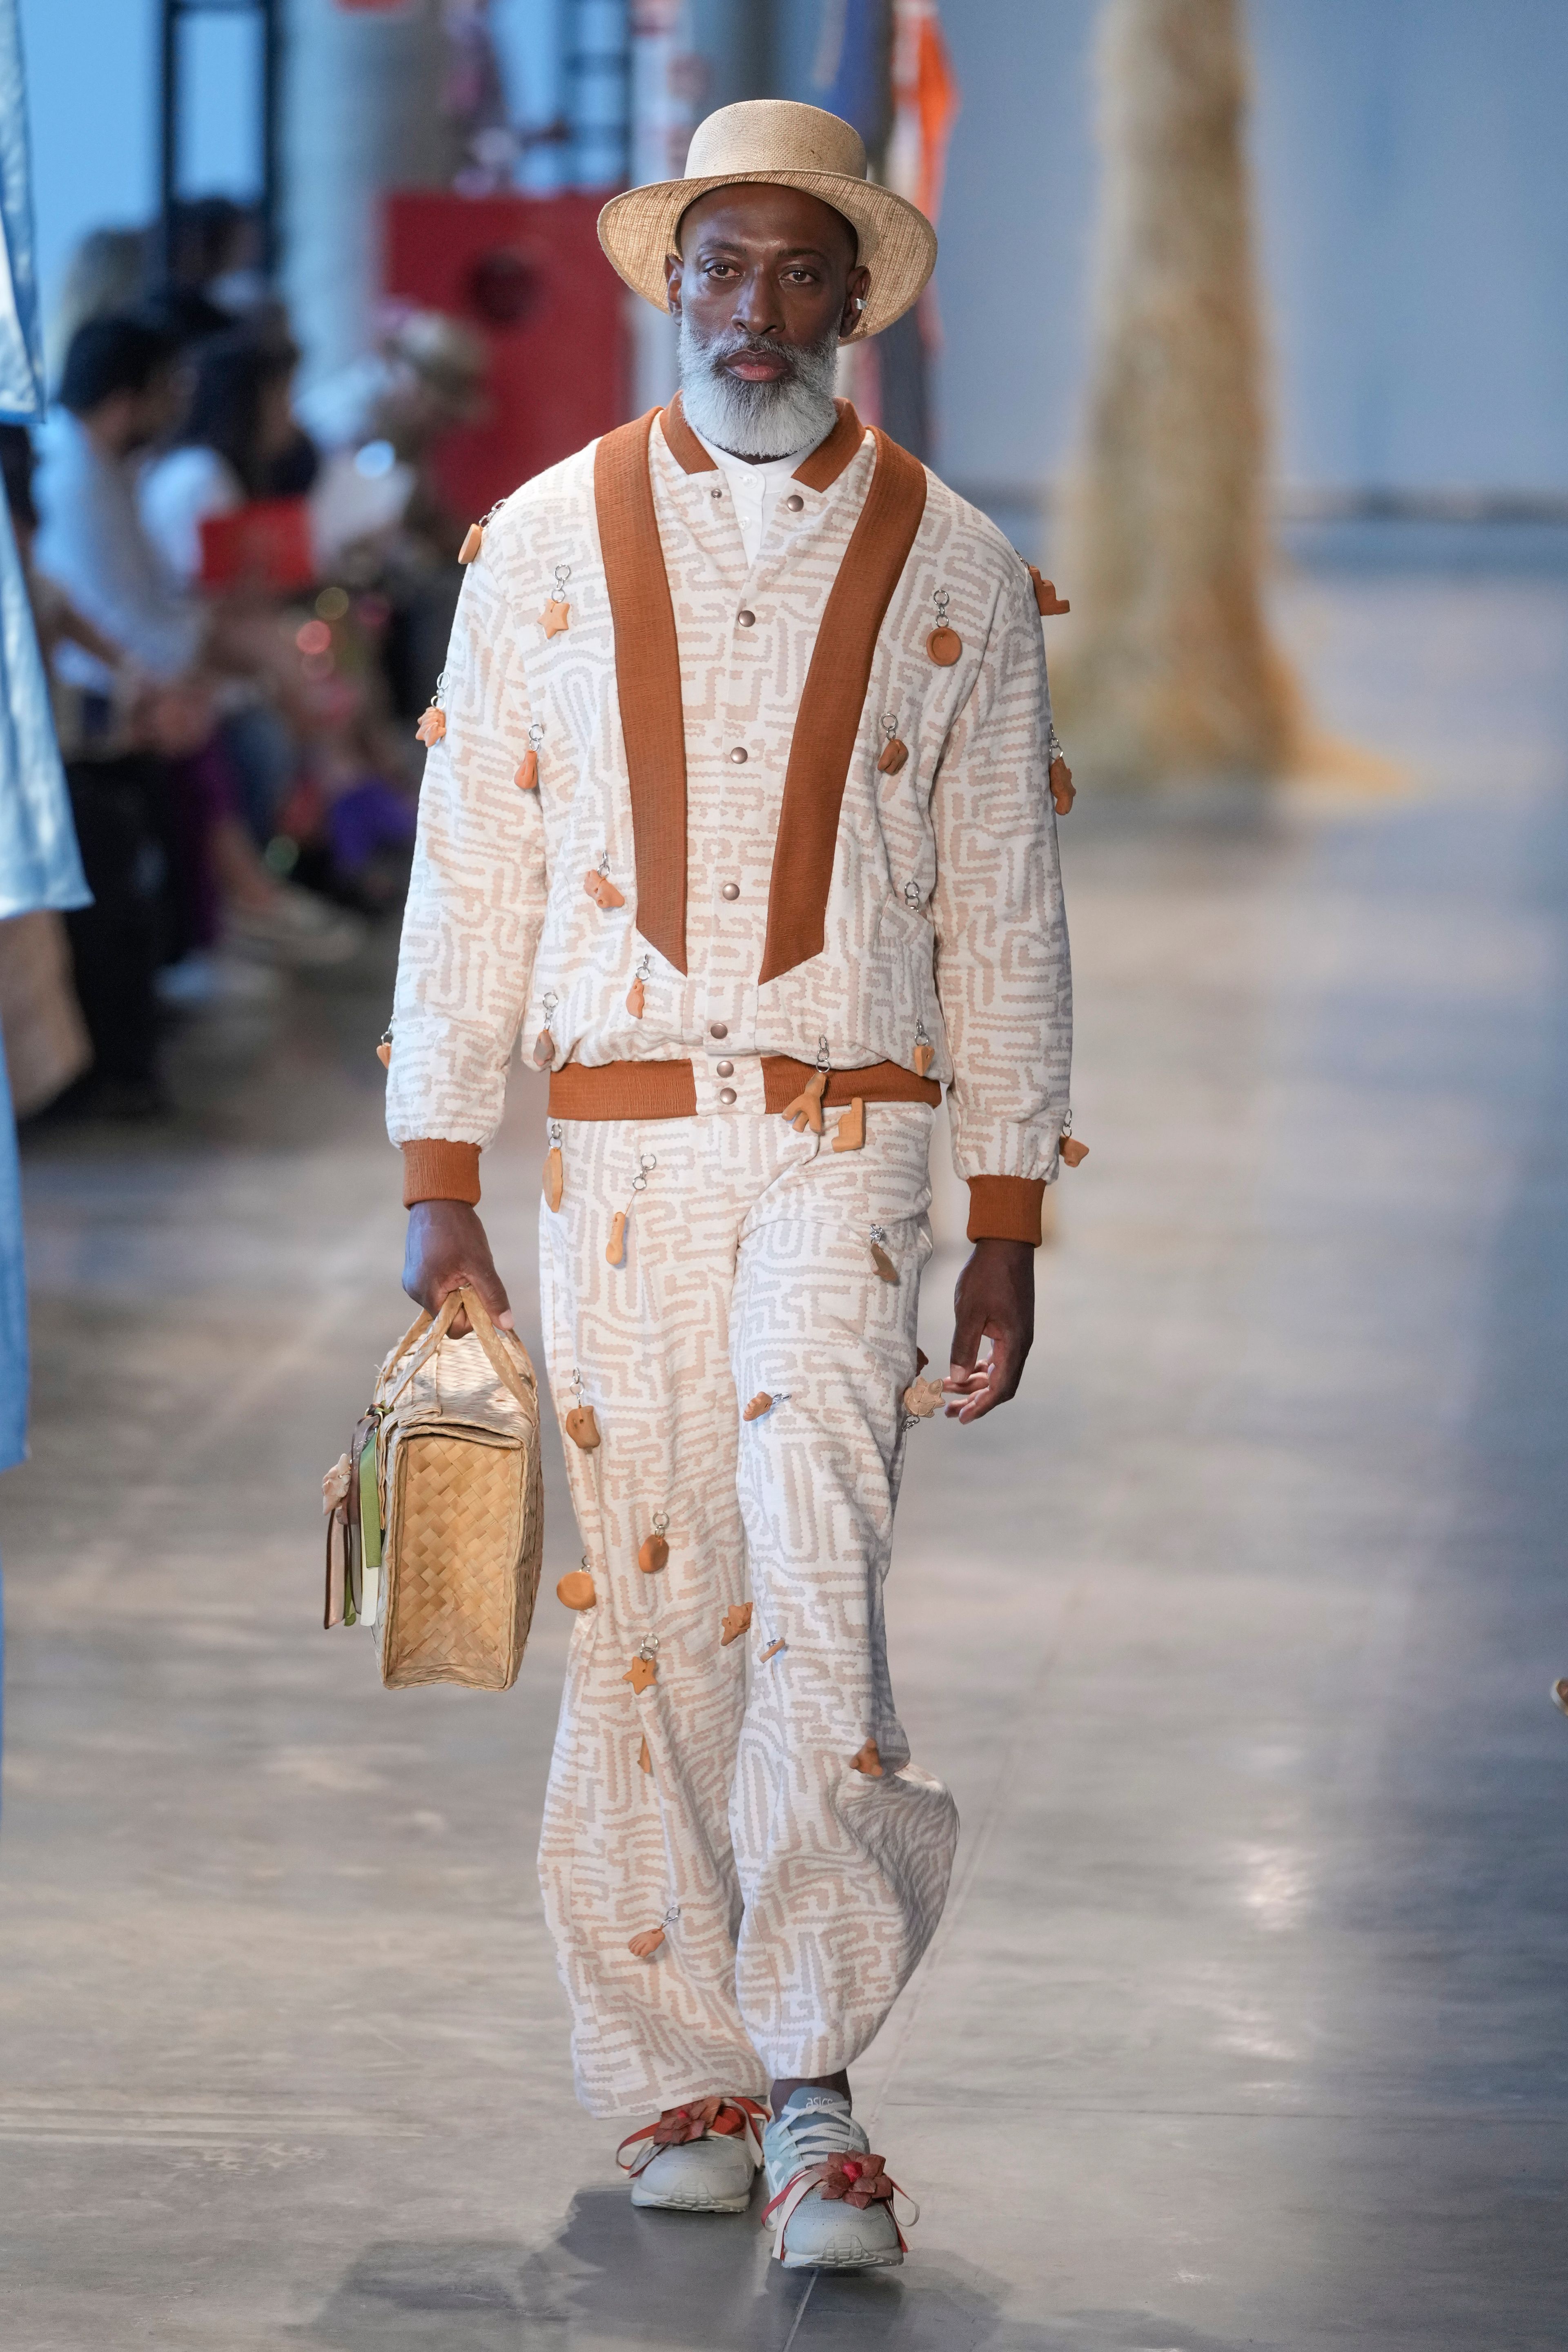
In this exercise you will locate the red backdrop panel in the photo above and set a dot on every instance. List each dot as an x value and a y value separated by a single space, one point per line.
529 273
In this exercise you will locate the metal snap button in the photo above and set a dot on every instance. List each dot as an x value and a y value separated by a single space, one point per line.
719 1029
745 620
730 890
726 1094
715 494
738 756
795 502
725 1069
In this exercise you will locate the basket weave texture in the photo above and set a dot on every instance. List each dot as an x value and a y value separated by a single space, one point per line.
462 1503
465 1510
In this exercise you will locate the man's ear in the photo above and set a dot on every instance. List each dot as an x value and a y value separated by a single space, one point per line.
672 271
857 286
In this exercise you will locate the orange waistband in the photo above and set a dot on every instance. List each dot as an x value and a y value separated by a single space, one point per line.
668 1089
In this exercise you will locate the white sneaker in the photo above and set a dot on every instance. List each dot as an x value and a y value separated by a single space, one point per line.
830 2201
296 927
698 2158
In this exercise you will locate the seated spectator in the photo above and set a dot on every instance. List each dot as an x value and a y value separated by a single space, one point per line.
148 776
238 425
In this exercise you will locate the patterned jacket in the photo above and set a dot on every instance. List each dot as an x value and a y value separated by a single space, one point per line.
720 813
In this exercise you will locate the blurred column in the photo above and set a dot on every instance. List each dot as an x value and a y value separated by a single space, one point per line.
363 113
1170 669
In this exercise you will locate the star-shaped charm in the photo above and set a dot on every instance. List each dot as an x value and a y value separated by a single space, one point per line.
553 620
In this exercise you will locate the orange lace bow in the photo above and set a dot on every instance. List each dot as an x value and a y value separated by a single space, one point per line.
678 2125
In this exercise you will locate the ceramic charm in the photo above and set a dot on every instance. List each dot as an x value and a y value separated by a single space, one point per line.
527 777
761 1402
1046 601
645 1946
581 1427
893 754
654 1553
554 620
384 1051
849 1135
805 1110
636 995
879 1258
599 887
869 1761
644 1668
924 1054
737 1621
771 1651
943 644
544 1043
922 1398
555 1170
576 1590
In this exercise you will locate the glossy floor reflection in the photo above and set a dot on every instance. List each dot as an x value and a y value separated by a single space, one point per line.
1245 2027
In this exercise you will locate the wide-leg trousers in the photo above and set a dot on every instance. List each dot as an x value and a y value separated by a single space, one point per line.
725 1799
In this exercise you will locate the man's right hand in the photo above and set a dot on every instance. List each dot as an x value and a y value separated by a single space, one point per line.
448 1251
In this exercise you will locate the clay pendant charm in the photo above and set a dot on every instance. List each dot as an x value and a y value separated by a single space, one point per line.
805 1110
615 1248
644 1668
473 540
869 1761
761 1402
431 726
544 1049
879 1258
636 998
581 1428
1074 1153
771 1651
922 1058
737 1621
554 1178
600 888
943 644
553 620
645 1761
850 1133
384 1051
654 1554
1064 792
1046 601
643 1946
893 754
576 1590
922 1398
527 776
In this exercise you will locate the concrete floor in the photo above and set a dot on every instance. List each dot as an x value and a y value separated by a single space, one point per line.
1246 2024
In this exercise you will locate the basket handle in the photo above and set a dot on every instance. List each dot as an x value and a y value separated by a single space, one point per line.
490 1341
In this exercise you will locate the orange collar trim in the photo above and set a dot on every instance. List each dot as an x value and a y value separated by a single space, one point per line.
818 472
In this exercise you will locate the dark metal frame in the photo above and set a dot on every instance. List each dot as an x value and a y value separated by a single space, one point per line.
174 14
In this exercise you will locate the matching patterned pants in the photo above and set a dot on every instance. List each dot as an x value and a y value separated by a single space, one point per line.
722 1800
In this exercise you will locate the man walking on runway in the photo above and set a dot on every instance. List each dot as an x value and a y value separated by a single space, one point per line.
740 813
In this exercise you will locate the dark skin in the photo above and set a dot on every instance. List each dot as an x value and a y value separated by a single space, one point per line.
778 263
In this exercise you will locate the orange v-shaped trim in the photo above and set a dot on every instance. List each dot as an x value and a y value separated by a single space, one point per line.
828 718
647 680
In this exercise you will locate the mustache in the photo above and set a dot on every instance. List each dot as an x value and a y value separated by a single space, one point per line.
718 349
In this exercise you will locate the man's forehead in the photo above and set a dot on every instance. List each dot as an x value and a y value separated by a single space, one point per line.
765 213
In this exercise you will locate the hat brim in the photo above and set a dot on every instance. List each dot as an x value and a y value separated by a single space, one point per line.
898 244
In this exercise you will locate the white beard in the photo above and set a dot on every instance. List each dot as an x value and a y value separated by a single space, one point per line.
757 420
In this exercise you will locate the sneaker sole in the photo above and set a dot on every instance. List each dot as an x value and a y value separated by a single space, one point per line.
888 2260
692 2204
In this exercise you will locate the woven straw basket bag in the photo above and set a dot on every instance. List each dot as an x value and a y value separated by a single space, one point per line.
437 1524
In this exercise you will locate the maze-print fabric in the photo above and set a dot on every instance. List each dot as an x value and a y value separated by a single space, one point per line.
945 922
796 1892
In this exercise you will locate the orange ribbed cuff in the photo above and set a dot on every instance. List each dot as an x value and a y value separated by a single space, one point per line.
1005 1209
434 1170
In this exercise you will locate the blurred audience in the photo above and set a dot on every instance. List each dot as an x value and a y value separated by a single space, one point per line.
242 599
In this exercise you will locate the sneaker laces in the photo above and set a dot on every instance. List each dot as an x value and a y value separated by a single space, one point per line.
827 2137
714 2118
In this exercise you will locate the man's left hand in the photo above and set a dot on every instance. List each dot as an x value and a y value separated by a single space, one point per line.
994 1300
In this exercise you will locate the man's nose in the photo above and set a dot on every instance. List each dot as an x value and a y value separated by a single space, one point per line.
755 312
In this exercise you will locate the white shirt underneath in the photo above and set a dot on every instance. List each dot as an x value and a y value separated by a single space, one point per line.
755 489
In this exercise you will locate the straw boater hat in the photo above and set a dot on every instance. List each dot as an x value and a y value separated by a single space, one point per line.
773 140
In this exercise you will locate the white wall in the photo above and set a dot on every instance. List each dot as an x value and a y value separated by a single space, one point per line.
1413 176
